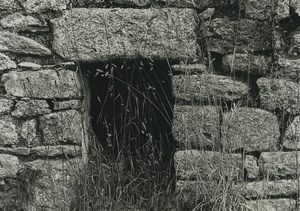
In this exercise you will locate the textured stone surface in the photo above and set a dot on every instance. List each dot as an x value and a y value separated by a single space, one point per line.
53 151
194 164
248 63
279 94
52 185
270 205
291 138
5 105
199 4
250 129
30 108
9 166
196 127
62 127
251 167
265 9
69 104
37 6
189 68
48 83
21 45
8 134
208 87
29 66
289 68
29 132
18 22
6 63
7 6
279 164
101 34
226 36
261 189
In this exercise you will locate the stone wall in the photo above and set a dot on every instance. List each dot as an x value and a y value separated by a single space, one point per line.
235 71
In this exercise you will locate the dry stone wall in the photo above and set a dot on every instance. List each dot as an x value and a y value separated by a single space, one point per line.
235 79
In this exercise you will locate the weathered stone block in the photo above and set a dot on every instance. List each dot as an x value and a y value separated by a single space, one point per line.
30 108
226 36
209 87
270 205
37 6
5 105
54 151
267 189
18 22
100 34
279 164
289 69
203 165
6 63
295 43
279 94
295 5
69 104
248 63
8 134
251 167
199 4
9 166
250 129
29 132
8 6
21 45
196 127
291 138
62 127
52 188
47 83
189 68
265 9
28 66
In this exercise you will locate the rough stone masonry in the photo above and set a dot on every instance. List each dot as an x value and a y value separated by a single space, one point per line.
235 81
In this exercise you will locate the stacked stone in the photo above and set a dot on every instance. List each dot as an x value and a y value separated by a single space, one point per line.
243 146
41 123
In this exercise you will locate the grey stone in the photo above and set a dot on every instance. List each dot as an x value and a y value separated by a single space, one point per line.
207 14
47 83
225 36
291 138
69 104
196 127
208 88
8 134
262 189
279 164
248 63
29 132
18 22
251 167
23 151
8 6
14 43
30 108
289 69
29 66
189 68
203 165
5 105
37 6
52 186
9 166
279 94
199 4
62 127
100 34
139 3
265 9
250 129
6 63
270 205
54 151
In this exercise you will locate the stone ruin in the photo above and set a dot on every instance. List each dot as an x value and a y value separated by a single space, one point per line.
235 70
